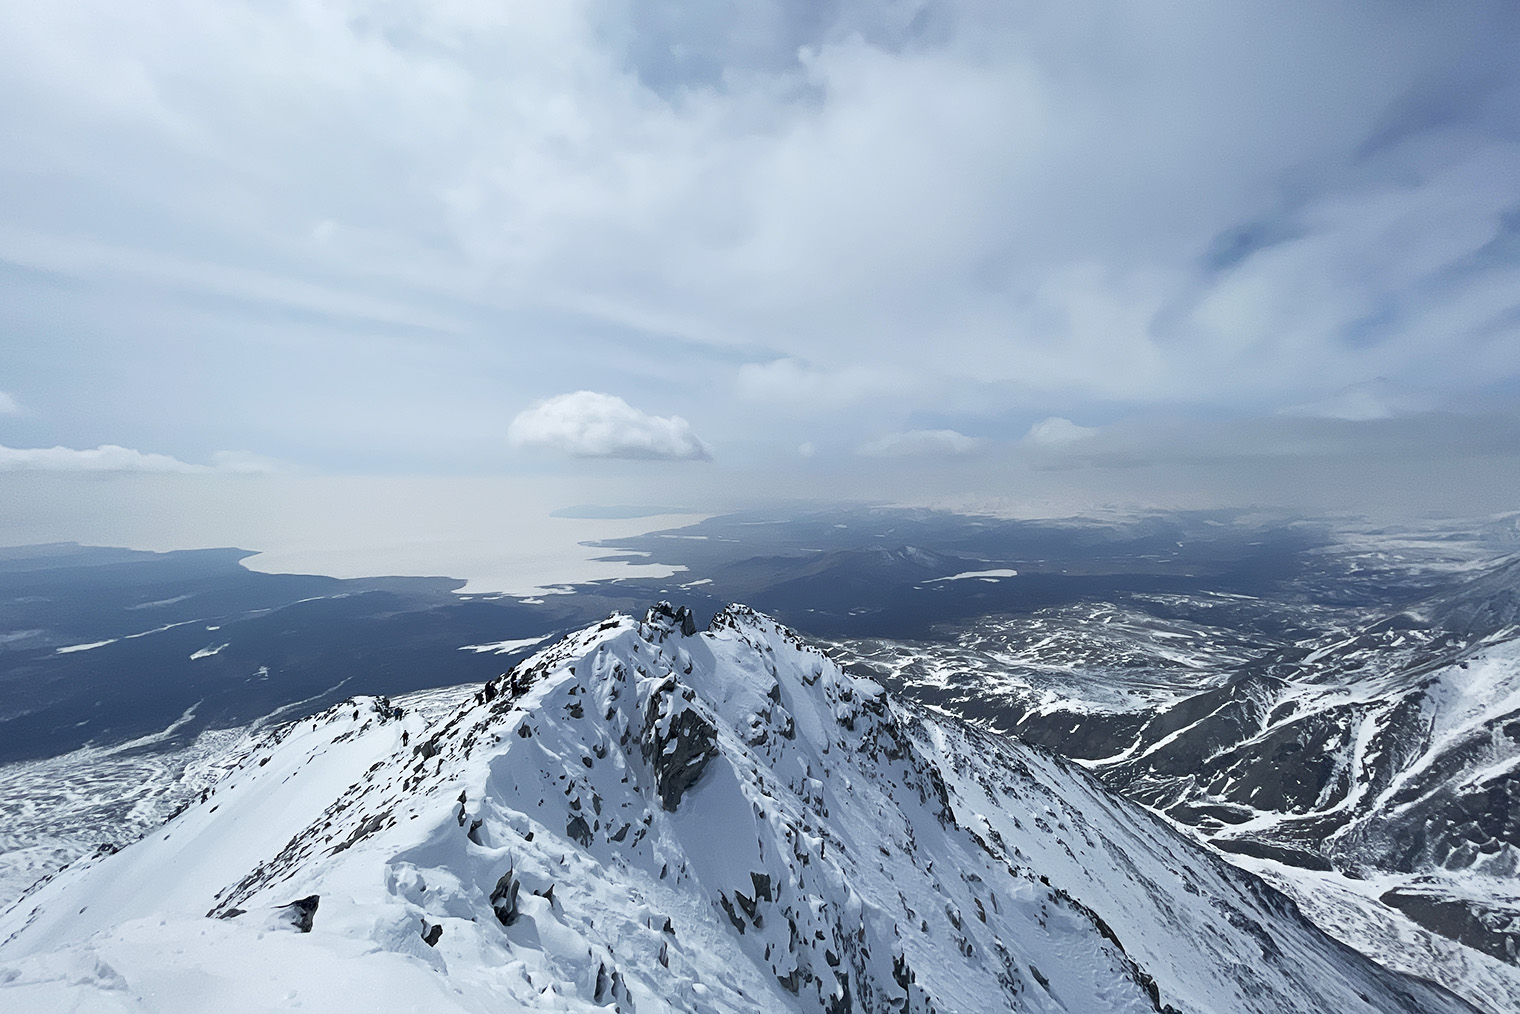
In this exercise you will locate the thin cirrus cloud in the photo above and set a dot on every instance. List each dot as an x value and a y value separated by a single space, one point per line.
588 424
115 459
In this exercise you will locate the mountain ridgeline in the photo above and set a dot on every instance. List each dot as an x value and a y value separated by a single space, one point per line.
645 817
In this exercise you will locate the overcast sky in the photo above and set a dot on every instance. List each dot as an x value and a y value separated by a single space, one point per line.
797 238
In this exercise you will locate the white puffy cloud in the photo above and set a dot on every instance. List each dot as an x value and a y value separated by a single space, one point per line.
586 424
9 405
920 443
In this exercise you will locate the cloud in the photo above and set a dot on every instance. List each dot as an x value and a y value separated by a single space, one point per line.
1369 400
246 463
796 385
105 458
112 458
9 405
586 424
920 443
1092 207
1415 438
1057 432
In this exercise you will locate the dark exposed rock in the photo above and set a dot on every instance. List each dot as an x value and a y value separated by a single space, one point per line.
901 973
431 933
676 618
368 827
301 912
1264 850
728 910
579 830
610 988
677 743
504 898
1488 928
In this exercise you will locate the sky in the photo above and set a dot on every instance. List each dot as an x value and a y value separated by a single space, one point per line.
1073 250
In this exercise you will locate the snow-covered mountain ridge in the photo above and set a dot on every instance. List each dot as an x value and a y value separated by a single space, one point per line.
646 818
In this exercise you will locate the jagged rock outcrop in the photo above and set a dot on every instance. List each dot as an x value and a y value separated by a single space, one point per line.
301 913
504 898
678 619
677 741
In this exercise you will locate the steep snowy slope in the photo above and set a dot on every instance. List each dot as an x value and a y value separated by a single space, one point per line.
98 799
1365 759
1390 753
646 818
1338 735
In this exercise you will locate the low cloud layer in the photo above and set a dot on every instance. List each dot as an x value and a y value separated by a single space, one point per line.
1416 438
586 424
112 458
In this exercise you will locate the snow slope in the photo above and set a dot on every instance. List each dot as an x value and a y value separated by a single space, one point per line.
1364 758
645 818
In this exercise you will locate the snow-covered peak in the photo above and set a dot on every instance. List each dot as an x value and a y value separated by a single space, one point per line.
643 817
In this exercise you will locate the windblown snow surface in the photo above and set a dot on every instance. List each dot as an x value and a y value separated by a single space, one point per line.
639 818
